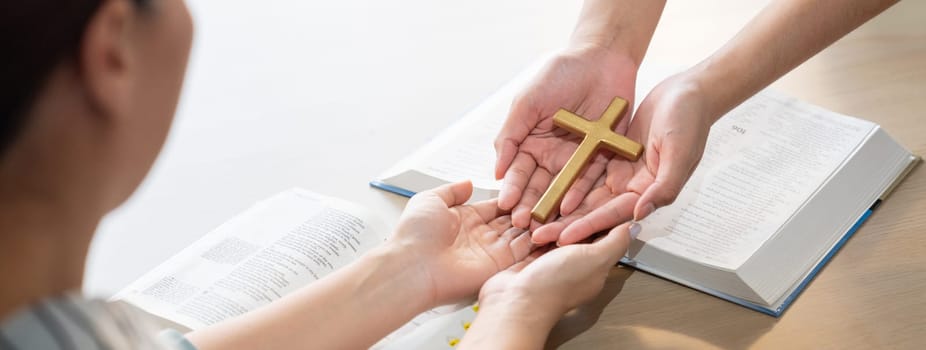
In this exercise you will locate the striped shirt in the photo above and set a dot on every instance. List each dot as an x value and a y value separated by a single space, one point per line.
74 322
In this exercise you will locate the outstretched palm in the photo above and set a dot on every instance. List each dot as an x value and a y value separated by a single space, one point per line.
531 150
673 125
459 246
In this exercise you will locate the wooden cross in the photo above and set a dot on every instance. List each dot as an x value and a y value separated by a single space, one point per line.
596 134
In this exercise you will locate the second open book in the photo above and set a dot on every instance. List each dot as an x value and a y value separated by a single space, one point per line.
781 186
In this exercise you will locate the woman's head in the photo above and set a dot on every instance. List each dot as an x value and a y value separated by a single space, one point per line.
88 91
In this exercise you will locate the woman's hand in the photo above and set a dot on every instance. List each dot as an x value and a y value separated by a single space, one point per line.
673 122
457 247
605 51
559 279
525 301
531 150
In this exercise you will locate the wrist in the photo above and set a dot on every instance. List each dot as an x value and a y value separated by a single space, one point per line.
620 27
519 324
603 54
522 308
404 272
702 84
607 45
720 83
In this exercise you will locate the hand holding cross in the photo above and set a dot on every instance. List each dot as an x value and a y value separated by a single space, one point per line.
596 134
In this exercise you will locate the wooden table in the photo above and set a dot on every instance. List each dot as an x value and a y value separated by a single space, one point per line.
872 295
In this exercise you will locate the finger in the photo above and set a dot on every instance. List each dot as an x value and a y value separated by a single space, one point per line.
610 248
583 185
488 210
521 245
619 174
612 213
501 224
511 233
516 128
673 168
516 178
536 224
453 194
550 232
505 152
547 233
521 214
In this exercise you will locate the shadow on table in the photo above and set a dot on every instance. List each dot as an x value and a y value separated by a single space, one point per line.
676 317
584 317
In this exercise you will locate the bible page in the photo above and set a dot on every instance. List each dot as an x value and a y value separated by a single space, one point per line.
465 150
275 247
762 162
435 329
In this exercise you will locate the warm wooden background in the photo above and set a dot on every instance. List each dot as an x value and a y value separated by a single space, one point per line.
872 295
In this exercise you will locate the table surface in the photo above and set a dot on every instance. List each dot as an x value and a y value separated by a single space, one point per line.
274 86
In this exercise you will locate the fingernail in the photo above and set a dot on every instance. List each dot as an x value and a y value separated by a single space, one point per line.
647 209
534 241
635 229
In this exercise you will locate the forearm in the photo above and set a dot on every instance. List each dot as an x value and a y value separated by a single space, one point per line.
621 26
785 34
517 324
349 309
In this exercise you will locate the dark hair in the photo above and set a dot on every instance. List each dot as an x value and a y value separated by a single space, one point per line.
36 36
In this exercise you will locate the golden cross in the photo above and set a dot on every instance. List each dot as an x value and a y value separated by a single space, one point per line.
596 134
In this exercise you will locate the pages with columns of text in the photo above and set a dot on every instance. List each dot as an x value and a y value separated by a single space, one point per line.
762 162
277 246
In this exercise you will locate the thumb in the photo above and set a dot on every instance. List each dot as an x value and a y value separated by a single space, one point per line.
516 128
610 248
453 194
673 167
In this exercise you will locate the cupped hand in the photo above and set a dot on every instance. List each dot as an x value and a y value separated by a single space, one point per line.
458 247
531 150
673 122
559 279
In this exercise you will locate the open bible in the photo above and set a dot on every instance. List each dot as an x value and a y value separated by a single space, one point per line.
275 247
781 186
